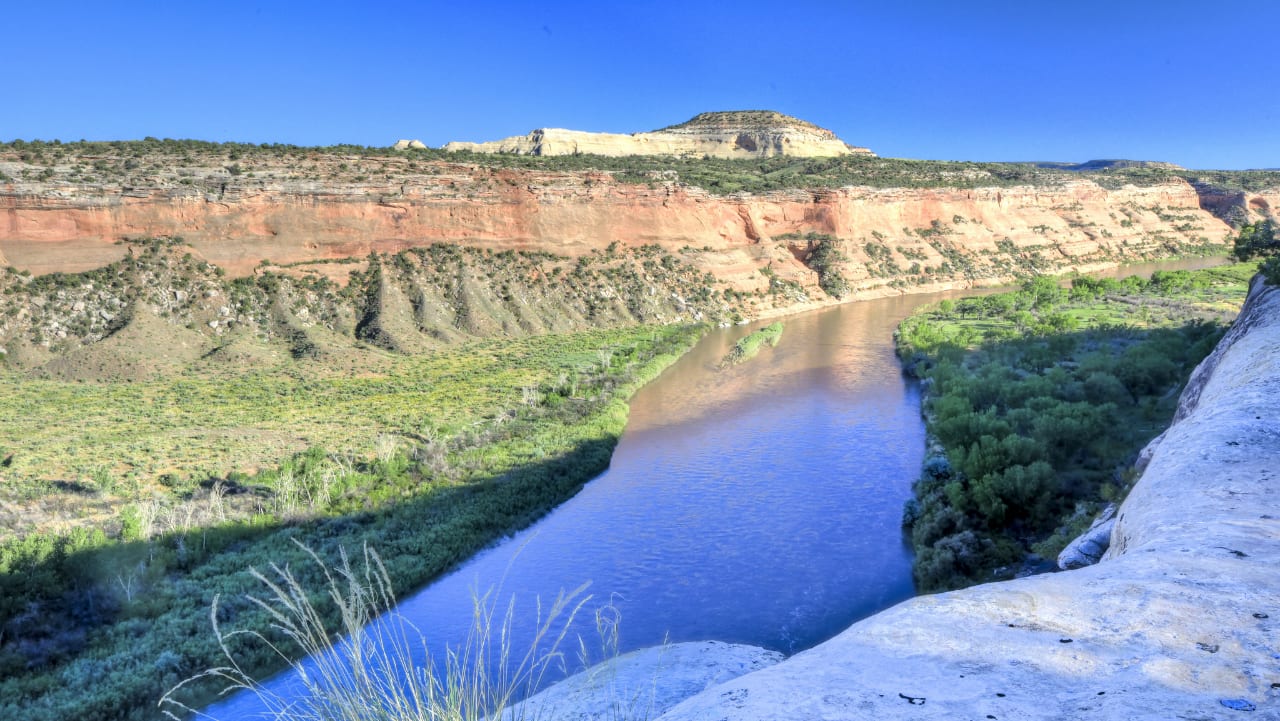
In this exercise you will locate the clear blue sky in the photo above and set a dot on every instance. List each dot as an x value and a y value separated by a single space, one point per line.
1189 82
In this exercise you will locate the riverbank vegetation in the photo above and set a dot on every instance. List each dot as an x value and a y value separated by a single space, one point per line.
462 446
749 345
1039 400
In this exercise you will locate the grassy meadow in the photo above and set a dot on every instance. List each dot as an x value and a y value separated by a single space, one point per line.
426 458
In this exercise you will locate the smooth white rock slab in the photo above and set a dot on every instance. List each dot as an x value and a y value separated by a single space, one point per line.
643 684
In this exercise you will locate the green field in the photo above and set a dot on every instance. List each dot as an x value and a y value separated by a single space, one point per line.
425 458
214 419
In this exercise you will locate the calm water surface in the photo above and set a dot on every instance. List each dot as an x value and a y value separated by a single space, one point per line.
758 504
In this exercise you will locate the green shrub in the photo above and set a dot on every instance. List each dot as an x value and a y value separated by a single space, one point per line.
749 345
1256 239
1040 399
1270 270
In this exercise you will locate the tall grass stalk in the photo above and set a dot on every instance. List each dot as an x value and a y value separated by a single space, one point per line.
366 670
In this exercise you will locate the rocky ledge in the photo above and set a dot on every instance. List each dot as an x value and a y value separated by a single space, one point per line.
1180 619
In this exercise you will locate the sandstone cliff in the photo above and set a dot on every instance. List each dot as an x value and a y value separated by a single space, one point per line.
892 239
732 134
1178 621
318 214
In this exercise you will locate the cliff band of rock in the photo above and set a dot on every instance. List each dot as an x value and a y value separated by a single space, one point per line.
741 134
914 238
1181 618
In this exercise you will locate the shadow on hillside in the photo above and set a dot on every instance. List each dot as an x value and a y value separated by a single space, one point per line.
145 605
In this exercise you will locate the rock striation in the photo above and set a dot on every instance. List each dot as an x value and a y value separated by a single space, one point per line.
730 134
1179 620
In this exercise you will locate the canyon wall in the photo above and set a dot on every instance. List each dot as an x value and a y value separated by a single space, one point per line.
892 240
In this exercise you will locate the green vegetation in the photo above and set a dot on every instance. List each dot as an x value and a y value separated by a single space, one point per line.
1254 240
235 376
822 254
98 621
1258 240
749 345
1038 401
742 119
1270 269
131 161
479 678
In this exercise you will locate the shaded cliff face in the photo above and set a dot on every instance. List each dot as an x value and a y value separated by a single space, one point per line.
52 219
732 134
1177 621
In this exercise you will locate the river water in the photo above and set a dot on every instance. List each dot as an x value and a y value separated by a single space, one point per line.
758 504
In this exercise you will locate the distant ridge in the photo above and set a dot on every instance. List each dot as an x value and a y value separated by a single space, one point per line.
721 134
1109 165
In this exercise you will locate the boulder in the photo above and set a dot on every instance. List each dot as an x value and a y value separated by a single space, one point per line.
1088 548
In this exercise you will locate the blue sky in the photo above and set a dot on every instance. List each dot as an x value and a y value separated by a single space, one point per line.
1189 82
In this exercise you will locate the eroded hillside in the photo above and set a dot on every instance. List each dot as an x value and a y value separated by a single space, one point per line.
162 307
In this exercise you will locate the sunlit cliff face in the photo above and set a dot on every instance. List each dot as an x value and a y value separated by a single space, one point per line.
890 240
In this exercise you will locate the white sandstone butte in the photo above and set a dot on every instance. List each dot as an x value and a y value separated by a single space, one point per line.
726 134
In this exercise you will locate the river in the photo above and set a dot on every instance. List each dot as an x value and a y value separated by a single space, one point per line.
758 504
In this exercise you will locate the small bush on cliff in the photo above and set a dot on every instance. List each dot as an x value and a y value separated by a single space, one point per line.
1271 270
823 258
1256 239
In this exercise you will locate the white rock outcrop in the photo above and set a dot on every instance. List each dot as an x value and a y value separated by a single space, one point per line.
1180 620
643 684
733 134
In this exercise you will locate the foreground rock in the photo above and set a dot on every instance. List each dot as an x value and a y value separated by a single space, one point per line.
643 684
1181 619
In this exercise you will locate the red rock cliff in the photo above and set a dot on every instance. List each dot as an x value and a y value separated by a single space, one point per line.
904 237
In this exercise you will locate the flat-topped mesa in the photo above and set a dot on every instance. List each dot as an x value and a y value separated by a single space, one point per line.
726 134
